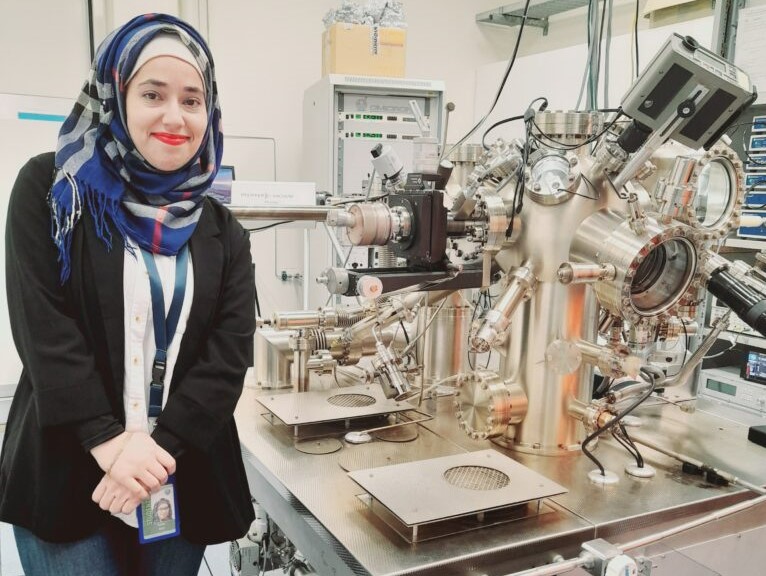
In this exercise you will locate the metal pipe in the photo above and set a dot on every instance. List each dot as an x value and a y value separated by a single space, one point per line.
556 568
521 282
707 343
728 476
717 515
572 273
565 565
312 213
306 267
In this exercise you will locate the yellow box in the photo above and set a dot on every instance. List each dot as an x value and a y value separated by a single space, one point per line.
363 50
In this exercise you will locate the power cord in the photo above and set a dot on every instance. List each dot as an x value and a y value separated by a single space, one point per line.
502 83
613 422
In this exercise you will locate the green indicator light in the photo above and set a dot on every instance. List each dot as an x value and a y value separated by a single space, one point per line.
358 116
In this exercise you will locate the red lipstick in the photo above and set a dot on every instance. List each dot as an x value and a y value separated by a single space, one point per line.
171 139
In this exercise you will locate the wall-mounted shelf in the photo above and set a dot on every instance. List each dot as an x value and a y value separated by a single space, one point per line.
537 15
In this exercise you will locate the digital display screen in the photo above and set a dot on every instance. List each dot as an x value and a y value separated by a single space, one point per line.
721 387
754 368
710 60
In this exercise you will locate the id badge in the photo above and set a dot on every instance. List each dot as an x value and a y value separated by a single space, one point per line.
158 514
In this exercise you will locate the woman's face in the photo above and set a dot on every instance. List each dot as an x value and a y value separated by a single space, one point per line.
163 511
167 116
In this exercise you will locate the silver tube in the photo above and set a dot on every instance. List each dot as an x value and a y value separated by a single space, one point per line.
565 565
301 353
521 283
556 568
688 368
717 515
294 320
313 213
414 341
572 273
698 463
306 260
629 391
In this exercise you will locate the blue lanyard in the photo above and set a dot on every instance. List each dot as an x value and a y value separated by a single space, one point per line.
164 328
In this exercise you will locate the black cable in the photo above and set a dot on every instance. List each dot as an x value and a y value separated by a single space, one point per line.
502 84
598 52
257 302
624 440
269 226
745 149
635 36
360 199
407 339
626 436
568 147
468 335
495 125
518 193
613 422
686 341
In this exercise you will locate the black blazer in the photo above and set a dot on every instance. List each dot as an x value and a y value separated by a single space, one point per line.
71 343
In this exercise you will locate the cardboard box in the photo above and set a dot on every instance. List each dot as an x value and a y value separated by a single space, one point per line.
363 50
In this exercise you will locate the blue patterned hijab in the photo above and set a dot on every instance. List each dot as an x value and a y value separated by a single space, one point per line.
99 168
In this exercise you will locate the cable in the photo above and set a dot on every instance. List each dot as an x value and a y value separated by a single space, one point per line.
352 200
426 327
635 37
251 230
621 436
502 83
722 352
606 53
613 422
495 125
567 147
594 93
468 335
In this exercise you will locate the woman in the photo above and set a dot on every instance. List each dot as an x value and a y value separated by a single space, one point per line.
162 511
112 243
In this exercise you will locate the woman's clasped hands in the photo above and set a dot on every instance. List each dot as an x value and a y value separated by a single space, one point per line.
135 466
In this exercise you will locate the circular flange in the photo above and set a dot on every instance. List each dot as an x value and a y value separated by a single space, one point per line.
356 437
398 434
608 478
319 446
728 219
483 404
632 469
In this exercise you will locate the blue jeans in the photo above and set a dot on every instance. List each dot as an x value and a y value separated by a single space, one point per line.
112 551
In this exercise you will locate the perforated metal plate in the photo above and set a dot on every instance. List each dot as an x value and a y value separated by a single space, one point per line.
298 408
476 478
351 400
419 493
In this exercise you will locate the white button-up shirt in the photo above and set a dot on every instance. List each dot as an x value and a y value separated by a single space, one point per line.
139 338
139 332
